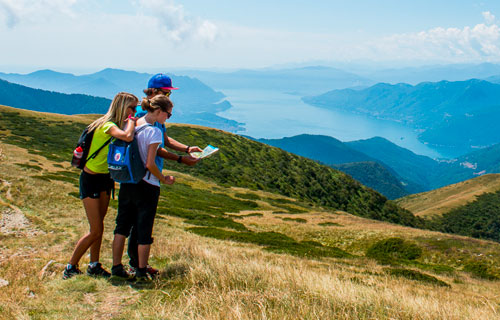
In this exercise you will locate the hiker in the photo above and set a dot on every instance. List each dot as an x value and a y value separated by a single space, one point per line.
95 181
160 84
137 203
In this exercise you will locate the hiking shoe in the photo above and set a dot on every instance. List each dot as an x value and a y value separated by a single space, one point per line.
72 271
118 272
142 276
98 271
149 269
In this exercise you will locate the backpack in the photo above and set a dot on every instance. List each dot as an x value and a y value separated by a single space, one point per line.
124 160
84 143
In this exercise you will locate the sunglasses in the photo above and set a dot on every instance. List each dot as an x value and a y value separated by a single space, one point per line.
169 114
167 93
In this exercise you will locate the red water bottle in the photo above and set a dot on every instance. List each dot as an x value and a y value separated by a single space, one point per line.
77 157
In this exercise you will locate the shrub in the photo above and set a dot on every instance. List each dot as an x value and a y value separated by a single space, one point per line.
479 269
274 242
416 276
393 250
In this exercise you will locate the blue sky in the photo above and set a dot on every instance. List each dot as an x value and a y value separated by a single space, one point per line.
88 35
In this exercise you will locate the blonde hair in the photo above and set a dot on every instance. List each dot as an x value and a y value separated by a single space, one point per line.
117 111
160 101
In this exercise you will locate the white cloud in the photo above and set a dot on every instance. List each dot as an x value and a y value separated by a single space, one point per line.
177 24
14 12
488 17
478 43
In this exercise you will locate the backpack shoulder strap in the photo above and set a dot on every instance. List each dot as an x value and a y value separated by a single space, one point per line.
93 155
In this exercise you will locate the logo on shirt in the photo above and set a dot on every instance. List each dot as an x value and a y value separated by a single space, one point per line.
118 156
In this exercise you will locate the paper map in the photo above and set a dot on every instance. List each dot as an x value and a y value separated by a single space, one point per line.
208 151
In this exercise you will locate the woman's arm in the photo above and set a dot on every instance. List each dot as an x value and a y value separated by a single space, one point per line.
151 165
176 145
165 154
125 135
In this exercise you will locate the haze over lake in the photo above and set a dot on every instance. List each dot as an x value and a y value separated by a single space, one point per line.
273 114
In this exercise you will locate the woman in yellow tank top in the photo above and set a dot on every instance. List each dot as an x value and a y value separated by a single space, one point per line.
95 182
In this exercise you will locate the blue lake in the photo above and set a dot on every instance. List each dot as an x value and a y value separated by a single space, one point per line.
272 114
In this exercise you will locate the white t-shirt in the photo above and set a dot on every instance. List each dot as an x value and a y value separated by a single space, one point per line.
145 137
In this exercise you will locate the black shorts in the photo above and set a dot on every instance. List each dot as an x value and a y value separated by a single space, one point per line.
91 185
137 205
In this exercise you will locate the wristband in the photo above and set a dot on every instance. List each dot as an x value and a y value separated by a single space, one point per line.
187 149
179 160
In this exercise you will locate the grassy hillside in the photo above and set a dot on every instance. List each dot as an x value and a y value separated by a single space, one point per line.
439 201
225 252
241 162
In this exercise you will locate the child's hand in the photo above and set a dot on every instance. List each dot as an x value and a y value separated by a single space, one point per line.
194 149
190 160
168 179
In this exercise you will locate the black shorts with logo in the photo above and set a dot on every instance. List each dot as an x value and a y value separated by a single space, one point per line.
91 185
137 205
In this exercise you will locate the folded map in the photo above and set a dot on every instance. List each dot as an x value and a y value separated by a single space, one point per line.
208 151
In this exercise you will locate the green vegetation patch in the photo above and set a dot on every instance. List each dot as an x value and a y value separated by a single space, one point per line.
219 222
329 223
248 196
416 276
393 251
29 166
201 207
299 220
54 140
254 214
274 242
59 177
480 269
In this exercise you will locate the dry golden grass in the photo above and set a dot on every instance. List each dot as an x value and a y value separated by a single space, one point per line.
219 279
444 199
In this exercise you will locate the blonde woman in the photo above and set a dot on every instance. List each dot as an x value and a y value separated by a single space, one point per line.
96 183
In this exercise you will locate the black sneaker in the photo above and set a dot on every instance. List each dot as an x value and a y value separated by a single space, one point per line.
118 272
153 273
142 276
98 271
73 271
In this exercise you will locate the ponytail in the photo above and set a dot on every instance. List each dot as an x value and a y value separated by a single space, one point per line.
158 102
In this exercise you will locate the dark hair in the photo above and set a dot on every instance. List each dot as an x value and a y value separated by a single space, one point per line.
150 91
160 101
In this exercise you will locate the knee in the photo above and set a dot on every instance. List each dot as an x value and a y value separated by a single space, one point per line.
96 234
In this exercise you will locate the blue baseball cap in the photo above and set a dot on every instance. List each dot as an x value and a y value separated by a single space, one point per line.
161 81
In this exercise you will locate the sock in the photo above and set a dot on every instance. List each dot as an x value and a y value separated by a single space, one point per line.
93 264
69 266
142 270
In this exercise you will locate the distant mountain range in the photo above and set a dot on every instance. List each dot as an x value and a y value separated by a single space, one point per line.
379 163
195 102
432 73
300 81
452 115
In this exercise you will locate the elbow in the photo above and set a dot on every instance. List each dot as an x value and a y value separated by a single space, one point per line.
129 137
150 166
